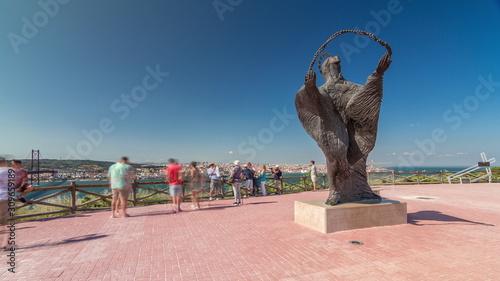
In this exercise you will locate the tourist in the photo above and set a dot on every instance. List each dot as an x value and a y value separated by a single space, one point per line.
314 175
21 182
196 185
277 179
262 177
249 175
4 203
255 190
173 178
130 177
118 176
235 178
215 185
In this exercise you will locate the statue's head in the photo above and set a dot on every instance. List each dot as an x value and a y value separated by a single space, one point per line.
331 68
332 59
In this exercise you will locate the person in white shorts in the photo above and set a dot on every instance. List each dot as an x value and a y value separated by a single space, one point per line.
314 174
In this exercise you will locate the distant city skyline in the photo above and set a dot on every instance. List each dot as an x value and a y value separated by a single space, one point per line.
306 163
215 81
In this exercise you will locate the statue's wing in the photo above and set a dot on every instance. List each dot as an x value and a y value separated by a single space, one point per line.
363 111
322 121
364 105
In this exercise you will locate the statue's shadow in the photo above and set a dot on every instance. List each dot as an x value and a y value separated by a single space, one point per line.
418 217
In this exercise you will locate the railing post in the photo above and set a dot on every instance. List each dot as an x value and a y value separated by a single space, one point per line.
418 177
73 197
183 193
393 178
304 182
134 192
223 189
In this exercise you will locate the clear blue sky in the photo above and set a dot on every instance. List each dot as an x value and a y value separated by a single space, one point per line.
75 81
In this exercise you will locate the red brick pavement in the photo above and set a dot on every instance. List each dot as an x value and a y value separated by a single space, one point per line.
452 234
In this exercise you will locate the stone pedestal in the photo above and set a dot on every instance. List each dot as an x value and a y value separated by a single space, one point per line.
317 215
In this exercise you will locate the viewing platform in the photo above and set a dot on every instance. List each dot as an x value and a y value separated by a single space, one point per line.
452 234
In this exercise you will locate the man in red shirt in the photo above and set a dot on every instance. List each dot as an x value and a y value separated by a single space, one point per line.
174 179
21 182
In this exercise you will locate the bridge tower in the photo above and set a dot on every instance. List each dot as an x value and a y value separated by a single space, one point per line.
35 166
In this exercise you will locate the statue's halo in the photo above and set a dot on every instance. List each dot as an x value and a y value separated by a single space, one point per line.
359 32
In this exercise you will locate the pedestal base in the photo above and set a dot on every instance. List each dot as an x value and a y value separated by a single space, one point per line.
317 215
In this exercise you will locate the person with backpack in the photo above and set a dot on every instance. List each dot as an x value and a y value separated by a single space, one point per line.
248 177
235 180
277 179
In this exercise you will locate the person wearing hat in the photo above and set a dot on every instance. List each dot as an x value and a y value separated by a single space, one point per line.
215 186
277 179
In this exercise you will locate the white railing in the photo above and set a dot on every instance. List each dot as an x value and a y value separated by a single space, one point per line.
475 168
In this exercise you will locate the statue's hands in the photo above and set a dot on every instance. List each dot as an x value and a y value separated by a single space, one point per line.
384 63
310 78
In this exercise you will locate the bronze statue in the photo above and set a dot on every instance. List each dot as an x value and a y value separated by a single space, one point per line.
343 117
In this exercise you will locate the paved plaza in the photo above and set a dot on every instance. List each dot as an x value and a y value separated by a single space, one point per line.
452 234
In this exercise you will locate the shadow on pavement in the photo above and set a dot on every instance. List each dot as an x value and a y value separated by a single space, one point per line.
417 217
66 241
18 228
203 209
59 217
258 203
184 210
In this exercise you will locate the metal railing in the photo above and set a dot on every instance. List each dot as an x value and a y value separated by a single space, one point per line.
69 197
403 178
144 192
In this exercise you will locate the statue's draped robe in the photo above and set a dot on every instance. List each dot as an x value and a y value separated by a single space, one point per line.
342 117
